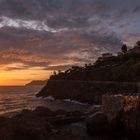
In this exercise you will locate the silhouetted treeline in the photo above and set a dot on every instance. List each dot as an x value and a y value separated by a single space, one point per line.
123 67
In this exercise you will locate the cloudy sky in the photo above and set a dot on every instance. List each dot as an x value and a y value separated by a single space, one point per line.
39 36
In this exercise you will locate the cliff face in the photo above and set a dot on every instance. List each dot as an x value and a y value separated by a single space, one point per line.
80 83
85 91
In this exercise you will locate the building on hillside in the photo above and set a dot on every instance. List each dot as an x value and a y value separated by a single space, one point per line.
100 59
106 55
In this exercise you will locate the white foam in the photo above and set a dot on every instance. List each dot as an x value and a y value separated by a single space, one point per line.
74 102
49 98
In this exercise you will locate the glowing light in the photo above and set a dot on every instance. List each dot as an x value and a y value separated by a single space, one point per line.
21 77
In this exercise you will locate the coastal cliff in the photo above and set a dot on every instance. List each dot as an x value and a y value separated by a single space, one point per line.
85 91
108 75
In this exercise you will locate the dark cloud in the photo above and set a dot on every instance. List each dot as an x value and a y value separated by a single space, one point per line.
136 9
67 48
93 27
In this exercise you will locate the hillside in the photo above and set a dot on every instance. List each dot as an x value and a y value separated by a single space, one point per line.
36 82
110 75
124 68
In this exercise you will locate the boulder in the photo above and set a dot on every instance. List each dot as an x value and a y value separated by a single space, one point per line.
97 124
38 124
131 119
112 106
24 127
93 109
123 114
43 112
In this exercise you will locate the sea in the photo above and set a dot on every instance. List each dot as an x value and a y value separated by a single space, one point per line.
13 99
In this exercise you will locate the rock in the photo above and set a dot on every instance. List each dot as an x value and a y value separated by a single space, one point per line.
67 119
123 114
93 109
44 112
112 105
62 135
131 118
97 124
25 127
38 124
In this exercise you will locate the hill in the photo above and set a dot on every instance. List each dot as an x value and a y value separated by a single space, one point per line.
108 75
37 82
121 68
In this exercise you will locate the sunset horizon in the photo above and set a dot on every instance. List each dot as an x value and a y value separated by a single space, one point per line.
38 37
9 79
69 69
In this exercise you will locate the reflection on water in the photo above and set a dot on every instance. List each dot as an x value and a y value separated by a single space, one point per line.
15 99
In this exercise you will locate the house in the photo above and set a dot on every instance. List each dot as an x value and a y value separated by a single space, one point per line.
106 55
100 59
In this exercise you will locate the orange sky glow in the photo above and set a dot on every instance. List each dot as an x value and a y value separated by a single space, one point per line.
22 77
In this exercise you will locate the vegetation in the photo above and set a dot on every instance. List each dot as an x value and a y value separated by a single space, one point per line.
124 67
124 48
138 43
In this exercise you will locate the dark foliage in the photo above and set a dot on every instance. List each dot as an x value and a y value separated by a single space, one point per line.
124 48
116 68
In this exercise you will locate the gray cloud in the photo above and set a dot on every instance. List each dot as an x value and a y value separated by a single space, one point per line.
93 27
63 49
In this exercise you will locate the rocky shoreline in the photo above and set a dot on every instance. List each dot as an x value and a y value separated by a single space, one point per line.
116 119
41 124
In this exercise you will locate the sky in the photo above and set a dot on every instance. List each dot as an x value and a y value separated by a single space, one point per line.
40 36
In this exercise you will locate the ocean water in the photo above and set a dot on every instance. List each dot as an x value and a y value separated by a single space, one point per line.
16 98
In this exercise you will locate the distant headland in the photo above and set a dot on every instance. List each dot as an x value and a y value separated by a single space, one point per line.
36 82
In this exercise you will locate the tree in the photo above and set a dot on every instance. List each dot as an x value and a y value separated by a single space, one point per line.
54 72
138 43
124 48
59 71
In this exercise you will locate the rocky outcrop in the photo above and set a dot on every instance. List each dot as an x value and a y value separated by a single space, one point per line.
131 116
123 113
25 127
117 117
112 106
85 91
97 124
40 124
